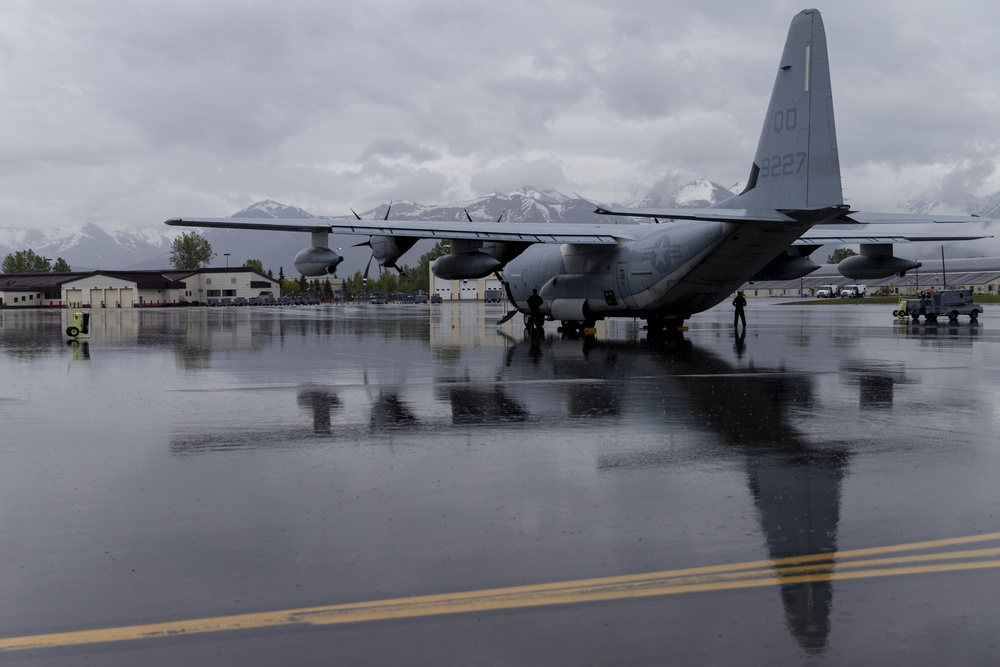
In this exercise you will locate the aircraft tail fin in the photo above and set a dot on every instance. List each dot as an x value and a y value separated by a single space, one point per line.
797 164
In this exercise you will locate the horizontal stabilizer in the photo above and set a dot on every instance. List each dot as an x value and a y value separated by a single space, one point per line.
869 218
817 237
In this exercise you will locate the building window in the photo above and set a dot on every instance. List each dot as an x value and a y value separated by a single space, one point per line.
208 281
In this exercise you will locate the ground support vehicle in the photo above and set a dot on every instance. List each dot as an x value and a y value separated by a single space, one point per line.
900 311
80 325
947 303
853 291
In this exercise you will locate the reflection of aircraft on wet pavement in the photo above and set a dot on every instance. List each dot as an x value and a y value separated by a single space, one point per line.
702 405
664 273
795 484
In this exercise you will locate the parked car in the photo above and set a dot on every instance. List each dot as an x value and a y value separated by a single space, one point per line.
436 298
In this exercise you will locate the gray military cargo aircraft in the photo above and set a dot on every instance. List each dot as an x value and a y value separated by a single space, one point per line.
665 273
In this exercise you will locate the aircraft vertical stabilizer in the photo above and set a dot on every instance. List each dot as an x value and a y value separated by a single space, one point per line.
797 165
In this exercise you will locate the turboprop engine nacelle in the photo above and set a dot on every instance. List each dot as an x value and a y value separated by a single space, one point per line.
317 261
475 264
786 268
869 267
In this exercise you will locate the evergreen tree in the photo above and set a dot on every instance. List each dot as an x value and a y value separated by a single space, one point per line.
254 264
840 254
25 261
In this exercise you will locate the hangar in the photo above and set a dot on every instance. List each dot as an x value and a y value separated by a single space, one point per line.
980 274
129 289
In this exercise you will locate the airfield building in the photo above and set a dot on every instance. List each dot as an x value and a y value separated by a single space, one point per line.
132 289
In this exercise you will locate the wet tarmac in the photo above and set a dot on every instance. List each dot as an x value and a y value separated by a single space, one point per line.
409 485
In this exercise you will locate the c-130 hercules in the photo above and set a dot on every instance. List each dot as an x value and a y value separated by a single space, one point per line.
665 273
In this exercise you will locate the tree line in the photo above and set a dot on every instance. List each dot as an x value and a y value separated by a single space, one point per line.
28 261
192 251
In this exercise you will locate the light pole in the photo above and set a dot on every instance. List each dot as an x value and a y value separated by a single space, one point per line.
227 259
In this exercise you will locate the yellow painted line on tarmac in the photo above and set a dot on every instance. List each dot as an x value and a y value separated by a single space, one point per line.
824 567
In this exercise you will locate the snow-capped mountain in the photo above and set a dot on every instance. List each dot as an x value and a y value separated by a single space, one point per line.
86 248
272 209
90 247
523 205
696 194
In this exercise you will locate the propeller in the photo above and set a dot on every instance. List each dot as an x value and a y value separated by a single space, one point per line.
469 217
364 278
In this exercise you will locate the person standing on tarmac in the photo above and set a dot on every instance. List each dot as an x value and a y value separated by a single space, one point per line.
739 303
535 308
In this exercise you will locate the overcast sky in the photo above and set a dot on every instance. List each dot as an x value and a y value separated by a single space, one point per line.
127 113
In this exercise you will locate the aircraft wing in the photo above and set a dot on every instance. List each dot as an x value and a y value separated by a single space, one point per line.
704 214
830 215
511 232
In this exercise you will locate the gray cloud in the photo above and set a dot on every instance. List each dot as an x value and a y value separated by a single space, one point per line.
544 173
395 147
141 111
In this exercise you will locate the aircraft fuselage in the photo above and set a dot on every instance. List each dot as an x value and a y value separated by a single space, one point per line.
667 271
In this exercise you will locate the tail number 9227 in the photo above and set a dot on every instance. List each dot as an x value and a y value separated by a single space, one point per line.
788 164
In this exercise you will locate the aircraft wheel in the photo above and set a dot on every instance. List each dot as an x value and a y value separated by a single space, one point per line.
533 324
570 326
895 313
72 332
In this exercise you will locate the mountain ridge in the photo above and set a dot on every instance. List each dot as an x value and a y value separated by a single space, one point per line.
90 247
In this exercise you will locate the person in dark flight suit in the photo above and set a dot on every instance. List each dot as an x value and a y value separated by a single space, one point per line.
535 308
739 303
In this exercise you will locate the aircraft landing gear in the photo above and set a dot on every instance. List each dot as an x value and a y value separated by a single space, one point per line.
576 328
534 323
665 327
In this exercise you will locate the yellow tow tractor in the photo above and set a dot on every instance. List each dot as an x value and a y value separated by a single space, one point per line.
80 325
901 312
